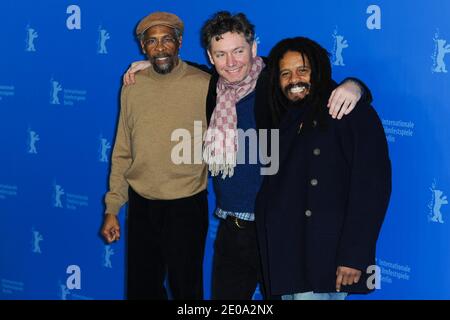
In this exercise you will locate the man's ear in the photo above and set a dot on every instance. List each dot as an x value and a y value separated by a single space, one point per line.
210 57
180 42
254 49
142 47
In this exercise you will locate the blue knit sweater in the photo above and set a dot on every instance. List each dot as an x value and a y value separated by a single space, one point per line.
238 193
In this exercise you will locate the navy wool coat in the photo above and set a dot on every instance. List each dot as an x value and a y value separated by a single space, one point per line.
326 205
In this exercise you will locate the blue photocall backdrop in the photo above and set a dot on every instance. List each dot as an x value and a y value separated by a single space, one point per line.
60 77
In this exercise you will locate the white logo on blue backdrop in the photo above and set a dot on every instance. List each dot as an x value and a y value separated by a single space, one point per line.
70 96
37 238
339 45
74 279
373 22
57 194
11 286
438 199
73 21
8 191
71 201
103 36
107 256
104 147
33 137
64 292
6 91
441 48
31 36
55 89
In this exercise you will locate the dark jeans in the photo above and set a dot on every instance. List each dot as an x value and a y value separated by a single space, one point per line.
236 266
166 238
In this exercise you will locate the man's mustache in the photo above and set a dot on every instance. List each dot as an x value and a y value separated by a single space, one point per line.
162 55
298 84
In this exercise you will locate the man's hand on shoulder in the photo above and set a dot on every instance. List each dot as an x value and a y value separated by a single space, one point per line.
130 75
344 98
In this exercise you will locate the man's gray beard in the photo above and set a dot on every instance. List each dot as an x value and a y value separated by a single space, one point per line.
164 69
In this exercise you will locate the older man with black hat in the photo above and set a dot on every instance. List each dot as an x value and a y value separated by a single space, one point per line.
167 202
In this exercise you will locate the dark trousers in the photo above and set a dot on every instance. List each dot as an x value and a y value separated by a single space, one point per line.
236 266
166 238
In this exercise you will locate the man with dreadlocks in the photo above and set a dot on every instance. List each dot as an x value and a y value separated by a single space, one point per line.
319 217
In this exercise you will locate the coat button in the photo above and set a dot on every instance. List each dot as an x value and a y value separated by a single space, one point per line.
314 123
316 151
314 182
308 213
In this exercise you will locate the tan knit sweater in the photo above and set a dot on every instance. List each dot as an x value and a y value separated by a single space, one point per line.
150 111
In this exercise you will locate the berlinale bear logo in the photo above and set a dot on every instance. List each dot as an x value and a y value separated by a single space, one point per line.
441 48
339 45
438 199
29 40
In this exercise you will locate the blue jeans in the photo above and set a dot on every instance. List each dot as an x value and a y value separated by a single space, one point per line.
315 296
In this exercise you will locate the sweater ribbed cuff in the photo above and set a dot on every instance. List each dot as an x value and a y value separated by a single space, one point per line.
112 208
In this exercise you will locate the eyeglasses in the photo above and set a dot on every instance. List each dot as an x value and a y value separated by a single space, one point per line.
166 41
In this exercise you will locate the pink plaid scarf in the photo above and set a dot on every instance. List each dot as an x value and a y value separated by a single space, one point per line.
221 140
